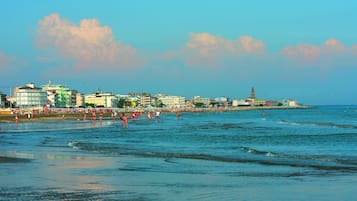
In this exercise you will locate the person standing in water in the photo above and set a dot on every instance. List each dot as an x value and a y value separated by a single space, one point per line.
124 120
178 114
157 116
149 116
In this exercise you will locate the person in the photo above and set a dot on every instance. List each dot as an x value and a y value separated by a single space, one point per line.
113 115
149 116
124 120
157 116
178 115
133 116
101 116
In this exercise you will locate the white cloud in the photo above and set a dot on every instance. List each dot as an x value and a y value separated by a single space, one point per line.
87 43
307 53
205 48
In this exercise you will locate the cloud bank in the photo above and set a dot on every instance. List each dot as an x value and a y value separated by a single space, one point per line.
87 44
206 49
308 54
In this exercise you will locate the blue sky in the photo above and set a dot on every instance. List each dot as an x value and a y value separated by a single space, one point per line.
303 50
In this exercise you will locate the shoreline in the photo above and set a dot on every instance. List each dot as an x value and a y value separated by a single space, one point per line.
4 159
8 118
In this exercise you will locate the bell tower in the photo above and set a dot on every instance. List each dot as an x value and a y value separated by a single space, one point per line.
252 93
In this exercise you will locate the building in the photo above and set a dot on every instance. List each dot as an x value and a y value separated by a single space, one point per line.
30 96
241 103
65 96
73 98
254 101
289 103
52 98
171 101
79 100
100 99
144 99
205 102
2 100
293 103
221 101
259 102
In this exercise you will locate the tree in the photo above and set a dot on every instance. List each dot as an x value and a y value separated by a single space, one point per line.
90 105
199 104
121 103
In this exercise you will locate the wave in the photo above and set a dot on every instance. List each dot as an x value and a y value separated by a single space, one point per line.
266 157
312 159
320 124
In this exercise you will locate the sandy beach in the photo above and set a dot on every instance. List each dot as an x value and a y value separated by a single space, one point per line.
107 115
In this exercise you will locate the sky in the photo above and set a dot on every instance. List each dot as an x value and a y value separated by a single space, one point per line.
303 50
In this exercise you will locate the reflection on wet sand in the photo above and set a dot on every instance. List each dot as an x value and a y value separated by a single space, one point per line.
76 173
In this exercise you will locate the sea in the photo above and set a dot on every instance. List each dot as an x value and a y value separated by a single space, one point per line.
288 154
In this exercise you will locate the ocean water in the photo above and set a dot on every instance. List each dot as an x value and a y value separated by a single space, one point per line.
301 154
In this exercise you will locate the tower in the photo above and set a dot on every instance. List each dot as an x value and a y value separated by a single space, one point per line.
252 93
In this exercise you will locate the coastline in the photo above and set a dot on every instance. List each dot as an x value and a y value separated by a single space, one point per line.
8 118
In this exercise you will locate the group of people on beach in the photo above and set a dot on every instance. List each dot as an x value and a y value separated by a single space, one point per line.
134 115
124 120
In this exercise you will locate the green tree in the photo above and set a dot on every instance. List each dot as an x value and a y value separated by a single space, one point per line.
199 104
90 105
121 103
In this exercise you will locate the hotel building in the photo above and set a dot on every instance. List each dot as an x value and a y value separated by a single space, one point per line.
107 100
30 96
171 101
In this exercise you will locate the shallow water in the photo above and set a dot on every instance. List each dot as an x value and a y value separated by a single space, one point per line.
285 155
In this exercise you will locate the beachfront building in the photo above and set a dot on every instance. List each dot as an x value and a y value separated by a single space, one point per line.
241 103
2 100
65 96
221 101
293 103
259 102
30 96
101 99
73 98
201 102
11 101
79 100
171 101
143 99
289 103
275 103
52 98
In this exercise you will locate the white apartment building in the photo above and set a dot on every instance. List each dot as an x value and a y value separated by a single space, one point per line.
107 100
171 101
204 101
144 98
30 96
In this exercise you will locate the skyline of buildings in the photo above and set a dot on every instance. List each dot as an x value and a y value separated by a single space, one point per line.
60 96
